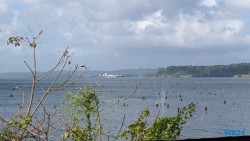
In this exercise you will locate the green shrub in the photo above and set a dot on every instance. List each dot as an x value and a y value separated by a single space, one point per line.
81 108
163 128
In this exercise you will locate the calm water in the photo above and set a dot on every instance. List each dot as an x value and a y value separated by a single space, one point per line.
210 92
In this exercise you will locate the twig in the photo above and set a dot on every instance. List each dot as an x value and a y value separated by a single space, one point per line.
123 120
40 77
155 119
109 129
100 125
120 101
29 68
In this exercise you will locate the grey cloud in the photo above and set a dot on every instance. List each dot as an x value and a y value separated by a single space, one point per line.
137 33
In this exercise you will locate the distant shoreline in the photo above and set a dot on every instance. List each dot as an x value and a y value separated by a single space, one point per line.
241 70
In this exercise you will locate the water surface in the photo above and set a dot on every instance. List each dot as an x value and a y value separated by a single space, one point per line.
227 101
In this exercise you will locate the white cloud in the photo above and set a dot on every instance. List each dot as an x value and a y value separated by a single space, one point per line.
3 7
155 21
60 12
8 29
67 35
186 31
112 10
209 3
196 31
232 8
238 4
31 1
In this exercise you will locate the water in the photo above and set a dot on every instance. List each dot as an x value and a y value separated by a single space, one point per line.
177 92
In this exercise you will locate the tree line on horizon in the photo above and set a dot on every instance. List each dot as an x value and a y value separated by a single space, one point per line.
232 70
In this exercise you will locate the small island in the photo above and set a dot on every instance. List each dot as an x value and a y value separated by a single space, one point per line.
233 70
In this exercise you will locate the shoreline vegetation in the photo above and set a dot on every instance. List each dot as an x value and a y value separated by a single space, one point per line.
240 70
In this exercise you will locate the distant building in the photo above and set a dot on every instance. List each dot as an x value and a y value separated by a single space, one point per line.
109 75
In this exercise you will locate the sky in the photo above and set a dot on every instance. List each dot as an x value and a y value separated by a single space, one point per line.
121 34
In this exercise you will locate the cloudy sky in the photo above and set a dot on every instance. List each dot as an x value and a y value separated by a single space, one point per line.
116 34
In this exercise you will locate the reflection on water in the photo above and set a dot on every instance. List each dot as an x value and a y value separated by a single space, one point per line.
222 102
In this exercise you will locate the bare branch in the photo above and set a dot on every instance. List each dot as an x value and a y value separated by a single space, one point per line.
53 69
123 120
99 123
29 68
126 98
